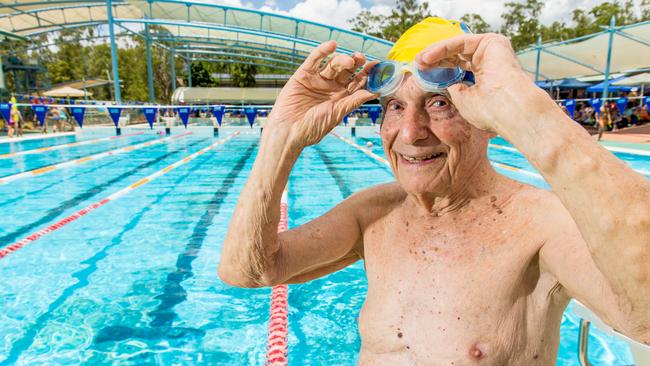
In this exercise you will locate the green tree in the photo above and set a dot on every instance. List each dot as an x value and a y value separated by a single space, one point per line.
368 23
521 22
476 23
243 75
201 75
405 14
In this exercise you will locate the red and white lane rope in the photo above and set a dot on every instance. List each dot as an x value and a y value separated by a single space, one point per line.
384 161
64 146
65 164
276 349
56 226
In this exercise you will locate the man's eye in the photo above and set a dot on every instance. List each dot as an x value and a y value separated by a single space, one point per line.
394 106
437 103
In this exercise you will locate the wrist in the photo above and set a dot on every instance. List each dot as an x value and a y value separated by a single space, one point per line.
281 136
530 106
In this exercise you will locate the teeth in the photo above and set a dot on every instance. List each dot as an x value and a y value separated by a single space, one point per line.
412 159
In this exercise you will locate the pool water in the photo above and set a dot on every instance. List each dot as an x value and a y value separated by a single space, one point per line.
134 282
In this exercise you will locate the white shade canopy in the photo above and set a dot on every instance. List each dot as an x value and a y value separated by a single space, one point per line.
587 55
639 79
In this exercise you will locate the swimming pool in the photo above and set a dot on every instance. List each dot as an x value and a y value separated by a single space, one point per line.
134 281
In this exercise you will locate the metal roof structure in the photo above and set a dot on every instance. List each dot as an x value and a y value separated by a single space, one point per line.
190 29
616 49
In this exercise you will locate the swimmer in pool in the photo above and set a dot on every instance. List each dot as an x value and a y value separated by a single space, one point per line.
464 265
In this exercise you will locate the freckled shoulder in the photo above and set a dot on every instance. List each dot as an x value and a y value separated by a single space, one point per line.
375 202
544 206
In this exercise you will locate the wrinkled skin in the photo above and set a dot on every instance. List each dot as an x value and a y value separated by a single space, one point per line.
464 265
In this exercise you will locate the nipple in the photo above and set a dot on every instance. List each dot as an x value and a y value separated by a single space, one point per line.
477 351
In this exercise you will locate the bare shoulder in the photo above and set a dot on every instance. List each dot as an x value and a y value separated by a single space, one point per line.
375 202
543 205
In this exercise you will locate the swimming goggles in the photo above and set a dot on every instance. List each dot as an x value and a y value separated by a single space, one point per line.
386 77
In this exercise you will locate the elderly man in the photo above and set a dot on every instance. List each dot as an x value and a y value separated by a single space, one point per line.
464 265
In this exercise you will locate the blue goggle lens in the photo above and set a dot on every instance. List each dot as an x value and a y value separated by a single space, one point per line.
380 75
440 76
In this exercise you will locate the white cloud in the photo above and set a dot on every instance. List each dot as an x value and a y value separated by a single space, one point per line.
491 10
335 13
237 3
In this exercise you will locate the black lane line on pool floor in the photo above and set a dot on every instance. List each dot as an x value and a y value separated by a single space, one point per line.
21 345
161 325
74 201
297 291
80 155
329 164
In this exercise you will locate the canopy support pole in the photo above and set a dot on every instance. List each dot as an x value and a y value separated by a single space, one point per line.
611 30
152 96
116 72
189 71
173 67
539 53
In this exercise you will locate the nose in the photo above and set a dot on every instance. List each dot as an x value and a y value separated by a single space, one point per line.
414 126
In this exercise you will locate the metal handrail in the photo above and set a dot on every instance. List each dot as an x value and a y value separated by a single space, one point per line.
583 343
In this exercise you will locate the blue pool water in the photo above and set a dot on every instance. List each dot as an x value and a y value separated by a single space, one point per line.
134 282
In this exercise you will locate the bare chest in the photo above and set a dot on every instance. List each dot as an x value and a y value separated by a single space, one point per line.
457 292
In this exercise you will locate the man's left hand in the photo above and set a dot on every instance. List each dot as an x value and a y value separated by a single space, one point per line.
503 93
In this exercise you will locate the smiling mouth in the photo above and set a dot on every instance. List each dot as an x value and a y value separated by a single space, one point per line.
422 159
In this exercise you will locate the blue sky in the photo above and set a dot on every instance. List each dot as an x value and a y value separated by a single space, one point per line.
337 12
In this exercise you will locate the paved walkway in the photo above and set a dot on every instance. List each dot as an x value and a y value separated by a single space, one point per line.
34 136
637 137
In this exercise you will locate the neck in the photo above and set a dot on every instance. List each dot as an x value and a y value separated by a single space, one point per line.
479 180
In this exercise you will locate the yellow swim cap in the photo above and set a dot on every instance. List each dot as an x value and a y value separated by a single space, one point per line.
421 35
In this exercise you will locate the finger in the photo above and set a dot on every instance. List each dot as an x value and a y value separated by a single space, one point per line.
360 79
461 95
359 60
451 49
351 102
317 55
339 68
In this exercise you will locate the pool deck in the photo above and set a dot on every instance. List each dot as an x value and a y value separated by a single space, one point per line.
637 137
34 136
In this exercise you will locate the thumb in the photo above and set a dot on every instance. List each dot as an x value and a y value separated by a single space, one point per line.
459 94
351 102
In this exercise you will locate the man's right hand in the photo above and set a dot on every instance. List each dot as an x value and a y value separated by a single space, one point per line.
316 99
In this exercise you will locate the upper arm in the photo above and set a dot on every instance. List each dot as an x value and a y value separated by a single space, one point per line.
566 255
332 241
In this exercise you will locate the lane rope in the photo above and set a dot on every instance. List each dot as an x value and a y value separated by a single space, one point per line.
362 149
64 146
276 345
384 161
74 162
59 224
614 149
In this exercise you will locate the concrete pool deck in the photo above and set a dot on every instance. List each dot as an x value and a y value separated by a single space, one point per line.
637 137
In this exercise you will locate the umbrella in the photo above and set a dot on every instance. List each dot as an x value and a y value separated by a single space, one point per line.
599 88
569 83
66 91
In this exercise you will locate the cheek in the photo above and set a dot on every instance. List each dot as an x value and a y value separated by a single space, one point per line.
450 127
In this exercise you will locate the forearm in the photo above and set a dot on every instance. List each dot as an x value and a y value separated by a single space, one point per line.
609 202
251 245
